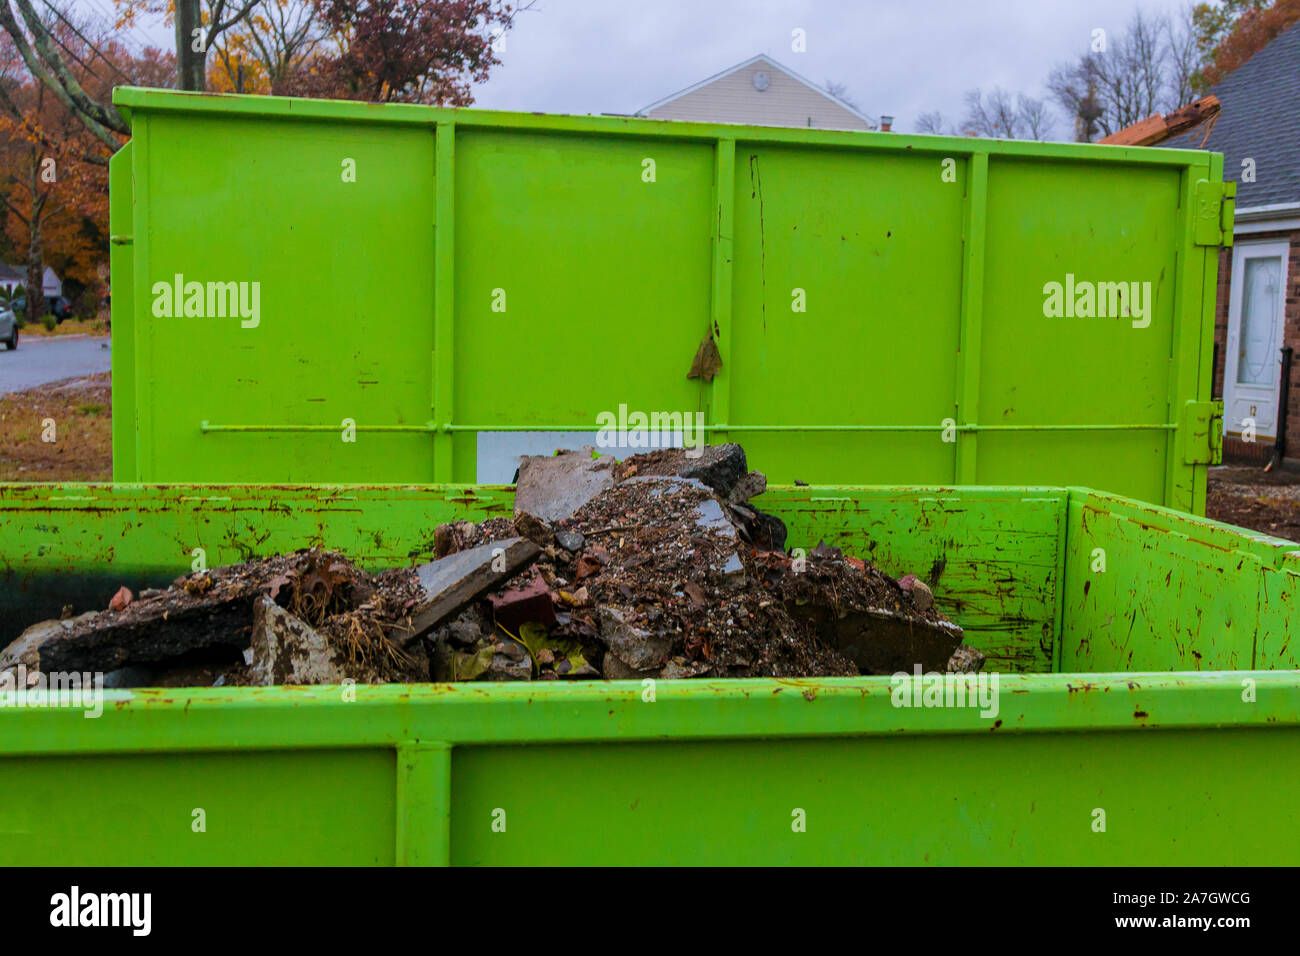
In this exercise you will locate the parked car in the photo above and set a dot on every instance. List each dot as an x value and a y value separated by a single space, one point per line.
60 306
57 305
8 328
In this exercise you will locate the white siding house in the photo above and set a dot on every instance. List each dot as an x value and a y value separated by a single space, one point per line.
759 92
11 276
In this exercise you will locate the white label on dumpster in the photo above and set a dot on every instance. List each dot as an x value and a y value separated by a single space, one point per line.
499 452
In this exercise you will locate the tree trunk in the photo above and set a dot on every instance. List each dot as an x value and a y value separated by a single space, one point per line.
191 64
35 248
35 278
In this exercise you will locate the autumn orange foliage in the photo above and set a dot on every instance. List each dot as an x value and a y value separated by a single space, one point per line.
54 172
1254 30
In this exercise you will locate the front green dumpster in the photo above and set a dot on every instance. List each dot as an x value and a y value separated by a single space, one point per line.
1146 706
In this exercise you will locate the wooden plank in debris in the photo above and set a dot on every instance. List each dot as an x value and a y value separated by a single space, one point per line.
452 583
1155 129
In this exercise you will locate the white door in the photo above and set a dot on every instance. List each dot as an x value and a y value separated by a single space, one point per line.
1253 362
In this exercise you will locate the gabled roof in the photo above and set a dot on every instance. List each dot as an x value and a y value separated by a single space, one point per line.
1260 121
760 58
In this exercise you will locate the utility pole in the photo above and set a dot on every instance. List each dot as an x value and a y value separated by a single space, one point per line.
190 62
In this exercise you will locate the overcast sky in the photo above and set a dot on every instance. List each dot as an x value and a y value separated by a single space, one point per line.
899 57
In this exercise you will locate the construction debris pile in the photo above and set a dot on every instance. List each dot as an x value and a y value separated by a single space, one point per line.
657 566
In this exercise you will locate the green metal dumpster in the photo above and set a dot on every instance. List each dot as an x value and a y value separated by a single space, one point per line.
455 284
1145 708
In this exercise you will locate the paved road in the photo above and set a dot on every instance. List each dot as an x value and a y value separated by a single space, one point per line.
41 360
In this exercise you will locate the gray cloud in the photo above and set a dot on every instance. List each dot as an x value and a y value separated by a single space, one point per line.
902 57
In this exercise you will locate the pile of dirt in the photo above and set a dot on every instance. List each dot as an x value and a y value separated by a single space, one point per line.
659 566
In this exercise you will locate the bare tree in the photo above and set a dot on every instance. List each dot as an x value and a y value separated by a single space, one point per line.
1144 70
1183 57
933 124
1035 119
1076 93
997 115
276 38
841 92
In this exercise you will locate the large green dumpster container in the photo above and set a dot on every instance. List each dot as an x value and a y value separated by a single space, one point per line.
452 282
1147 710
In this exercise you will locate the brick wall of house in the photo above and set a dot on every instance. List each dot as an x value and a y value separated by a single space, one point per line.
1261 451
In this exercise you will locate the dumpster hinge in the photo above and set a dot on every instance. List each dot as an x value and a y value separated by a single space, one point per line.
1215 207
1201 433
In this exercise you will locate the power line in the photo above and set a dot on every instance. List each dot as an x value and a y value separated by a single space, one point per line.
133 31
92 47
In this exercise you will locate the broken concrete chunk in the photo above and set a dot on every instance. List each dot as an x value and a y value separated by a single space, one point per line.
719 467
748 486
965 660
464 631
453 582
635 650
25 649
713 518
509 662
286 650
554 487
921 594
211 626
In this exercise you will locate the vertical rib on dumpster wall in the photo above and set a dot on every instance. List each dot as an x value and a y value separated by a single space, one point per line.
880 302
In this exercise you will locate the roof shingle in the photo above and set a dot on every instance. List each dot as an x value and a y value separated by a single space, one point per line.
1260 121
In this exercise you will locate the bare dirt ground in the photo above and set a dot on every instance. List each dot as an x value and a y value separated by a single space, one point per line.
81 412
1248 496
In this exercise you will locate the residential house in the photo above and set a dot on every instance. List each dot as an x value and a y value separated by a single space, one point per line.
759 92
11 276
1258 309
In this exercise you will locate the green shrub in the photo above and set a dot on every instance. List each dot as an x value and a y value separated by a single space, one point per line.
49 321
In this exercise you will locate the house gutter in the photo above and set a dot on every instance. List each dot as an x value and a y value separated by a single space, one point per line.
1271 218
